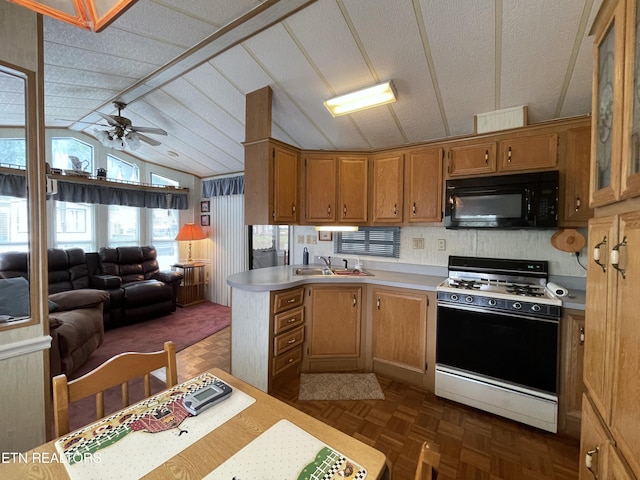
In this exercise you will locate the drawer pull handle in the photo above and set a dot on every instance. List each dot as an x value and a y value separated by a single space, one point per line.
414 208
293 340
291 300
581 335
486 157
290 360
578 203
509 154
615 257
291 320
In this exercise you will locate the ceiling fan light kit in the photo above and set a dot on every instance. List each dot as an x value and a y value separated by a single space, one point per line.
122 134
379 94
92 15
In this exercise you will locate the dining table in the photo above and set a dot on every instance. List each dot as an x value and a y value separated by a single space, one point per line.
249 436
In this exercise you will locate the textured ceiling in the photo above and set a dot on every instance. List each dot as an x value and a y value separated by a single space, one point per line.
186 66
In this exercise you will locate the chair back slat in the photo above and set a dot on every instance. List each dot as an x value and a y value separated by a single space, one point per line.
115 371
428 462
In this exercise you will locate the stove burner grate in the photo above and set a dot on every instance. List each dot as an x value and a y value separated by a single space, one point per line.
525 290
464 284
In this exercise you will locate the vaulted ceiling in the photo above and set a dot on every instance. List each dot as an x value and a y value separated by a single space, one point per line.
186 65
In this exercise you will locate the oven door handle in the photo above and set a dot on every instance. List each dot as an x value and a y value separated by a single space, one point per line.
498 312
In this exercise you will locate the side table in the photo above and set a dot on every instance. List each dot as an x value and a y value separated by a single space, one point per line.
191 290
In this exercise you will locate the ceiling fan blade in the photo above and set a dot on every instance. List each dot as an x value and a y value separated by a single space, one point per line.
110 120
149 140
79 121
156 131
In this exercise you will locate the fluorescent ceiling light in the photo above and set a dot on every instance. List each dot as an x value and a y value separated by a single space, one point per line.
365 98
336 228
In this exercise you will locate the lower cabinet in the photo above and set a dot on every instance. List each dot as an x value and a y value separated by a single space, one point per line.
571 369
399 328
334 328
287 335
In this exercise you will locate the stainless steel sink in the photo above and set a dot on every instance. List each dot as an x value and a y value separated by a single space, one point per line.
312 271
319 271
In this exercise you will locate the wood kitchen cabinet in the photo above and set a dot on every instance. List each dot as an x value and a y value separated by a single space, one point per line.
529 152
399 328
387 178
320 180
334 323
472 158
353 188
612 331
271 183
286 335
572 387
423 185
574 178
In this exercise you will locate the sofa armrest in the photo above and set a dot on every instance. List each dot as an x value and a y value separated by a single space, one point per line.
81 298
168 277
105 282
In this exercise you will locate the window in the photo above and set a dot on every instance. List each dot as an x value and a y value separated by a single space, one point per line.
74 226
373 241
124 222
164 228
71 154
12 152
14 228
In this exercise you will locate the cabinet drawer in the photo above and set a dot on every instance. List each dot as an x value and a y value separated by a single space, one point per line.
288 340
287 320
288 299
284 361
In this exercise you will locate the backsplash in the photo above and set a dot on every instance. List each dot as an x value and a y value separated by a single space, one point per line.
523 244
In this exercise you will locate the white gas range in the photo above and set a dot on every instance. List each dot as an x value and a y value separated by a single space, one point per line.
497 338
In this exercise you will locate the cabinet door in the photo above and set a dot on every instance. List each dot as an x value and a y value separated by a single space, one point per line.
335 322
598 319
472 159
630 178
400 328
625 420
320 189
594 444
576 211
529 153
607 109
423 185
572 368
353 178
387 187
285 185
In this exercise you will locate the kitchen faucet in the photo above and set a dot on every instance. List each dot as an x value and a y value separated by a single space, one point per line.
327 262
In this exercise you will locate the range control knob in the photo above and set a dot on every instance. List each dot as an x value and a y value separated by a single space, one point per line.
468 299
454 297
517 306
492 302
535 307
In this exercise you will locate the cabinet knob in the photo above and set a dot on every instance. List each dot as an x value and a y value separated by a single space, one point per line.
344 210
413 209
509 155
329 210
581 335
578 203
395 209
355 300
486 157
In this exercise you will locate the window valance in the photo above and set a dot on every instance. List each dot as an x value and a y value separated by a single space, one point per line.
85 190
223 186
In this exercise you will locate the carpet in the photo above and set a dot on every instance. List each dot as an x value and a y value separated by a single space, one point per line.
339 386
184 327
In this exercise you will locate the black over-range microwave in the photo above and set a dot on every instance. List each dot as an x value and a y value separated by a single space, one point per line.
528 200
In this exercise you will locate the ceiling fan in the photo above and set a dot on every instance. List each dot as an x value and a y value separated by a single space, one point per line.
123 133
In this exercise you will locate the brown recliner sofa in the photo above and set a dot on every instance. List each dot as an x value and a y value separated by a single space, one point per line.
76 328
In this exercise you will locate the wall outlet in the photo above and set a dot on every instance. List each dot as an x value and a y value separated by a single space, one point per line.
442 244
418 243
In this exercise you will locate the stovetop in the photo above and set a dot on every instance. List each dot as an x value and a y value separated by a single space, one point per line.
529 292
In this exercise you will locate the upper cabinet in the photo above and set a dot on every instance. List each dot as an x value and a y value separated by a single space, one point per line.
574 177
320 181
387 175
271 183
503 153
353 186
615 149
423 185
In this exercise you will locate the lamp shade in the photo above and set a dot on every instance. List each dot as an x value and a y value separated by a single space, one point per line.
88 14
190 231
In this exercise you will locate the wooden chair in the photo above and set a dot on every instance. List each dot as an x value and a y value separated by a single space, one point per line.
115 371
428 462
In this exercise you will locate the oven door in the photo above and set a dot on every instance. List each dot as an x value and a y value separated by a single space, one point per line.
511 348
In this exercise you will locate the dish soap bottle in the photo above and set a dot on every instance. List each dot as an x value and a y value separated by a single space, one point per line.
305 256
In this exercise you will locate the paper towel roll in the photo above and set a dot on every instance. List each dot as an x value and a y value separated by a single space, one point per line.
557 289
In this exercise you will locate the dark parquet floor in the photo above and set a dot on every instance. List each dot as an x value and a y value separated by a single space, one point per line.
474 444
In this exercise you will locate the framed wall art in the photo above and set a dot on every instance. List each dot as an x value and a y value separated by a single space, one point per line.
205 220
204 206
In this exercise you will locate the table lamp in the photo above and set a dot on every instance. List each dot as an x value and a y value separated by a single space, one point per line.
188 233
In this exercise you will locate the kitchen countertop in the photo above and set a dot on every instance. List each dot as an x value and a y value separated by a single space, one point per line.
283 277
279 278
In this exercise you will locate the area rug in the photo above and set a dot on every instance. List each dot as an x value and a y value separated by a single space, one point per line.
184 327
339 386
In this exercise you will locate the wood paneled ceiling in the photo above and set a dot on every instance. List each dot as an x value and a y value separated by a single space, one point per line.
186 66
